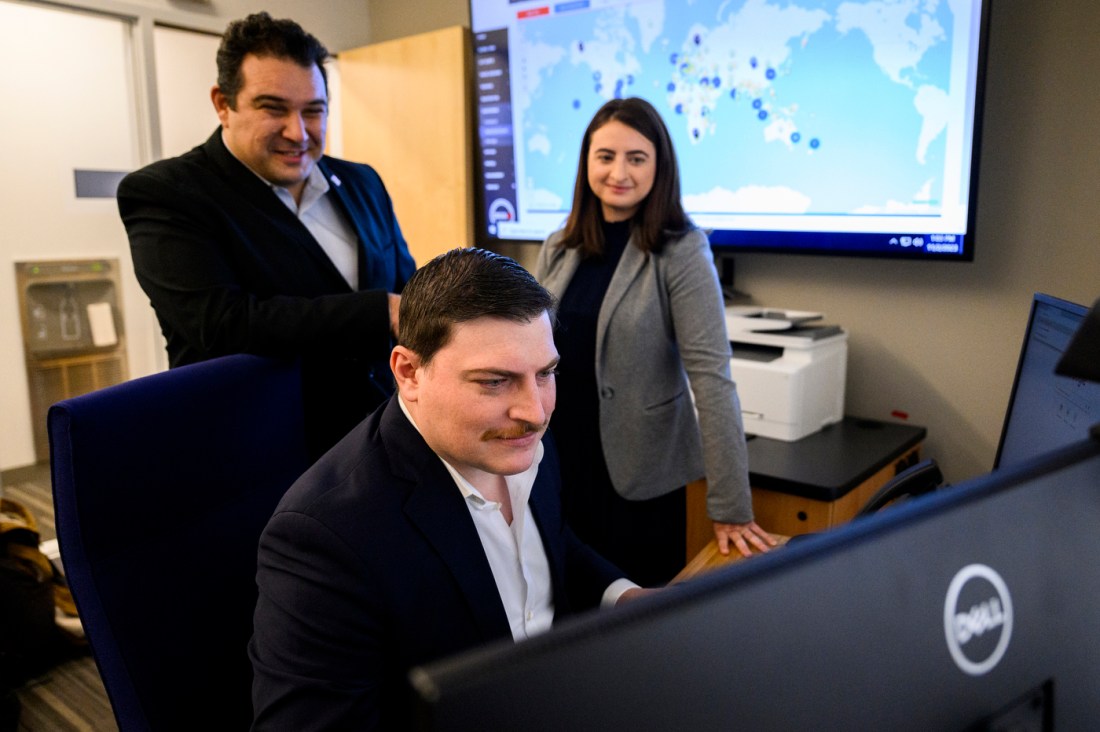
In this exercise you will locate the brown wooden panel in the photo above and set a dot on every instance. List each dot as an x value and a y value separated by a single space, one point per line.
407 112
786 514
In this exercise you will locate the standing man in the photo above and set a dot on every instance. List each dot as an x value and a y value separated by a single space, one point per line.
256 242
436 524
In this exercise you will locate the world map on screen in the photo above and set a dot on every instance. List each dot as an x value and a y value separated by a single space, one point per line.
788 108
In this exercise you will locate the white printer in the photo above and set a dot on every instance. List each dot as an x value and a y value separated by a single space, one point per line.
789 372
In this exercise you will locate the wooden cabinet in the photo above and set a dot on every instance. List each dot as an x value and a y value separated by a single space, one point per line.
814 483
406 111
790 515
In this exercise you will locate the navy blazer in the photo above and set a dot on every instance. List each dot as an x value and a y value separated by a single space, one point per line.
372 565
229 268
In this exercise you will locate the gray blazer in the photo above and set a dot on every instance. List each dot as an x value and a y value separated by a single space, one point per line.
662 326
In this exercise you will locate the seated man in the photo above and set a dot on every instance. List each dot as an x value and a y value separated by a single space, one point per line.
433 526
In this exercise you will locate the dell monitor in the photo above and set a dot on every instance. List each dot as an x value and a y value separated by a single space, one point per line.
1047 410
845 127
970 608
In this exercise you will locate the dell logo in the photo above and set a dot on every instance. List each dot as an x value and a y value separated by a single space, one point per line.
977 619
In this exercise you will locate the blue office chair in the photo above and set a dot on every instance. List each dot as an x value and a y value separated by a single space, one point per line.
161 488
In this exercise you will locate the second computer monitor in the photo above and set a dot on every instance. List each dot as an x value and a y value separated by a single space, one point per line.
1046 411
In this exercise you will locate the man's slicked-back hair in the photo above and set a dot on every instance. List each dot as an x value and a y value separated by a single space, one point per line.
462 285
264 36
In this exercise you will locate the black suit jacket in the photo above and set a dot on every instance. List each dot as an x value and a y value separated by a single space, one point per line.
372 565
229 269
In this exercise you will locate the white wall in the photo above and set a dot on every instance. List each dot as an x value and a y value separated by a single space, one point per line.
339 24
68 105
390 19
185 73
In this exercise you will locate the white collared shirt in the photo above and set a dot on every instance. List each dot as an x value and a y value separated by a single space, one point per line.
320 214
516 554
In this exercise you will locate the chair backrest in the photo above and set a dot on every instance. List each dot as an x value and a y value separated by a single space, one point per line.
916 480
161 488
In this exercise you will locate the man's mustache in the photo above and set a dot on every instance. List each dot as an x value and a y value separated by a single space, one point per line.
524 428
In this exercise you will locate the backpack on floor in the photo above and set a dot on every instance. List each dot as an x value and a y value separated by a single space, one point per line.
34 599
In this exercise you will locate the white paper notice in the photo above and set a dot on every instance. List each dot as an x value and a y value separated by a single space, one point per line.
102 320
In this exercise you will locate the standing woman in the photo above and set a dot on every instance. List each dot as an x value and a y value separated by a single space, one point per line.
640 319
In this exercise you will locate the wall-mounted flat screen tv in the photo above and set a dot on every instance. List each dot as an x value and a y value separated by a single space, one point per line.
844 127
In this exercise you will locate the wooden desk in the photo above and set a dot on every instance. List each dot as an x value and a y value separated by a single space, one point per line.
710 558
816 482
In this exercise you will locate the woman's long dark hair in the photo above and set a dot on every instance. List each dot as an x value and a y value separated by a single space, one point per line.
661 214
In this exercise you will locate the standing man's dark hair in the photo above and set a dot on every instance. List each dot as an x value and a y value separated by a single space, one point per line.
488 285
262 35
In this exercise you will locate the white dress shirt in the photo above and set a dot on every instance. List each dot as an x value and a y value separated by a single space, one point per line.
321 215
515 552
